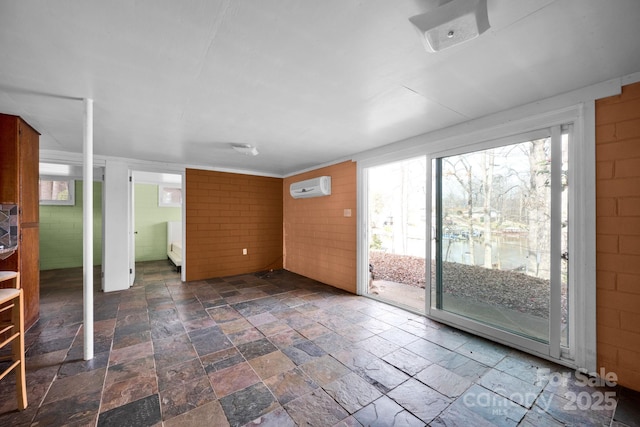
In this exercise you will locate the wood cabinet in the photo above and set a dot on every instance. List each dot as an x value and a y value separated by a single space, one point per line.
19 173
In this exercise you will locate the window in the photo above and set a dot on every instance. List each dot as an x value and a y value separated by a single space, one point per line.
169 196
57 191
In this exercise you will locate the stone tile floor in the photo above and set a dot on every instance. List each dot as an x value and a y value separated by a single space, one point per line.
280 350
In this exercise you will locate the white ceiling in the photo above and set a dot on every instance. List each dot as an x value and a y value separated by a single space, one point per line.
306 82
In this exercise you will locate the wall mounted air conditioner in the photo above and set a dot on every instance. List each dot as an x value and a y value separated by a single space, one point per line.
315 187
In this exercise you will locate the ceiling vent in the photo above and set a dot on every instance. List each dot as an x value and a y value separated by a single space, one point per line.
452 22
246 149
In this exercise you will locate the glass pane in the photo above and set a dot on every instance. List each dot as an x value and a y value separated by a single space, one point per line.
170 196
397 230
564 279
54 190
494 250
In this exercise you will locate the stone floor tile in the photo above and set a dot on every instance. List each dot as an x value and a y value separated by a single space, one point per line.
490 406
527 368
180 351
122 341
313 330
133 352
248 404
181 373
568 411
271 364
245 336
519 391
224 314
286 338
378 346
628 407
290 385
537 417
75 410
303 352
200 323
221 359
325 369
430 351
384 412
274 328
352 392
235 326
460 415
356 333
465 367
398 336
333 342
183 397
349 422
45 360
209 340
356 359
80 384
124 392
143 412
315 409
446 337
384 376
376 326
422 401
406 361
483 351
277 418
232 379
143 367
443 380
256 348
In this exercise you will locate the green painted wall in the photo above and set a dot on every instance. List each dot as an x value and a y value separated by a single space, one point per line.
151 223
61 228
61 232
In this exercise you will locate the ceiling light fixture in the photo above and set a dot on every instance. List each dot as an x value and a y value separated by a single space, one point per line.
246 149
452 22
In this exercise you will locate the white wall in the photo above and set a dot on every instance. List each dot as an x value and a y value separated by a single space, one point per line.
116 228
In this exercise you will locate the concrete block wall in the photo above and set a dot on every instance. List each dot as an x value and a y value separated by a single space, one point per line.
319 240
618 234
151 223
226 213
61 232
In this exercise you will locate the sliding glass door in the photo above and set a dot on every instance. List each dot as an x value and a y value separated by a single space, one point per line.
490 230
396 229
500 239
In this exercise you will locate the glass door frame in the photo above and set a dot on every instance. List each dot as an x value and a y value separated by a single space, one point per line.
552 349
362 287
496 130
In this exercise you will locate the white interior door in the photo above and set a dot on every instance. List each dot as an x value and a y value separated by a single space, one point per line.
132 231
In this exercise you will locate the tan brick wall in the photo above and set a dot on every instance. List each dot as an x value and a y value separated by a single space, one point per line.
319 241
226 212
618 234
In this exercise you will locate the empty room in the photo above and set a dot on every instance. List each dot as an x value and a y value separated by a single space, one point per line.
338 213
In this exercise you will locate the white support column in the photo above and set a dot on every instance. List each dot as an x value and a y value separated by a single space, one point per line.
87 221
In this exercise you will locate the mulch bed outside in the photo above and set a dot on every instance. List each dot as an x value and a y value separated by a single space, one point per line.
508 289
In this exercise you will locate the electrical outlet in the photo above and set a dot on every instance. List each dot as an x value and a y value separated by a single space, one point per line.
347 212
244 251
